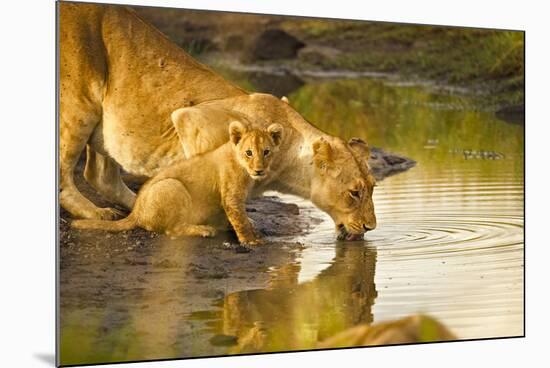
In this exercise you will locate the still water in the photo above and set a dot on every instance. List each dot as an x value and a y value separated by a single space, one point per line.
449 243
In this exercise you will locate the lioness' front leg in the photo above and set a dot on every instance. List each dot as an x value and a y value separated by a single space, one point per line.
75 131
233 202
104 175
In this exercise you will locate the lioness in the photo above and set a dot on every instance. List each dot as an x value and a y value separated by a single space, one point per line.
120 80
184 199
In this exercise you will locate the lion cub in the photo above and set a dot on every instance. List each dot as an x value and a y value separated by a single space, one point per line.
189 197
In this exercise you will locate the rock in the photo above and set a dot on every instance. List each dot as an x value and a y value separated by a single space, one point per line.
275 218
384 164
276 44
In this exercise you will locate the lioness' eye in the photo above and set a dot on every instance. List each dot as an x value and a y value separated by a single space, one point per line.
266 152
249 153
355 193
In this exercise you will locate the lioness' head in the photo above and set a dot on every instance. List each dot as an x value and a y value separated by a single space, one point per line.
254 148
342 185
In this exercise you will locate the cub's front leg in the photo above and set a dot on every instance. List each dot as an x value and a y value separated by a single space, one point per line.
233 202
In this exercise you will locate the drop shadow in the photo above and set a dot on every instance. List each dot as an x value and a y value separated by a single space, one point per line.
46 358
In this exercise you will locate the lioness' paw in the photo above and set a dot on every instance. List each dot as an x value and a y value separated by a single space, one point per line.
108 214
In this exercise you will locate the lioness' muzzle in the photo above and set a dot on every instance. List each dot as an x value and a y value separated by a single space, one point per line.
344 234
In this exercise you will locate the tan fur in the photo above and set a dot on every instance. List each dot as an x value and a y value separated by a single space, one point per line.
184 199
139 102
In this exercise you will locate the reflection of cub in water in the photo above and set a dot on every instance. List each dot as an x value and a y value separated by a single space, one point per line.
293 316
188 198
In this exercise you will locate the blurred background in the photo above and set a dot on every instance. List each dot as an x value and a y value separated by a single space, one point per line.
486 63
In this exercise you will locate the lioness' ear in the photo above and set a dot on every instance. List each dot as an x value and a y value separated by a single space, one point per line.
236 131
322 152
284 99
359 146
276 132
177 116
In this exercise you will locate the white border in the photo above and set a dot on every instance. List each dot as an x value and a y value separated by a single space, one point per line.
27 182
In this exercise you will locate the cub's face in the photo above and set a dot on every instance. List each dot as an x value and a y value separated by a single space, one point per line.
255 148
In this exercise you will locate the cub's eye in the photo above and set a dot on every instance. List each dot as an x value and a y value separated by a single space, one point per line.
266 152
355 193
248 153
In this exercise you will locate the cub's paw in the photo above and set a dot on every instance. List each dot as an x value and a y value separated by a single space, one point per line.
206 231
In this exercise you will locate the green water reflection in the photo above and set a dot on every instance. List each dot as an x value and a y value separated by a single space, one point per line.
427 126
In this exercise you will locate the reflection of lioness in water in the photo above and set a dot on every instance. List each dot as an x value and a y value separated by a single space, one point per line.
182 199
120 80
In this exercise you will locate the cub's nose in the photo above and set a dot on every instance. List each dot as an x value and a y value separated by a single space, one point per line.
259 172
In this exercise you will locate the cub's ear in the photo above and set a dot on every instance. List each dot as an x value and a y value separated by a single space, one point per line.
236 131
359 146
276 132
284 99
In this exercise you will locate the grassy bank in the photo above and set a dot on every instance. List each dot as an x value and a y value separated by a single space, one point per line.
483 60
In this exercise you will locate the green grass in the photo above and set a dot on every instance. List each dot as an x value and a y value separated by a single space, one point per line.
195 48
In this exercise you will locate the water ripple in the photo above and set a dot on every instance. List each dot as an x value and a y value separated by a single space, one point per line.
446 244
